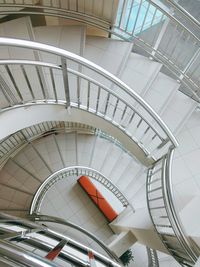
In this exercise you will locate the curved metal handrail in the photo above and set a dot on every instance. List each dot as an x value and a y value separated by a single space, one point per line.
184 71
27 228
12 144
123 115
21 256
53 219
163 214
184 12
70 171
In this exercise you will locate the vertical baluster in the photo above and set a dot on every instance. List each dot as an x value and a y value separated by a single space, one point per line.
175 45
107 101
131 118
28 82
88 96
9 96
14 83
147 11
38 71
65 81
136 19
123 114
160 36
139 123
78 91
128 18
98 96
153 17
114 111
171 37
53 84
123 13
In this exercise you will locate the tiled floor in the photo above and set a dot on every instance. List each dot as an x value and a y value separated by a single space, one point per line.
67 200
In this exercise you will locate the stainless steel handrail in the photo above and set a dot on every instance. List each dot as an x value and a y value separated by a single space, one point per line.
56 220
69 171
171 210
90 65
184 12
156 126
163 214
21 256
109 25
14 143
38 242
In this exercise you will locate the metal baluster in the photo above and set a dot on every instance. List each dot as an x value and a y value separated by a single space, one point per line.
65 80
53 84
78 91
28 82
106 106
175 45
41 82
14 83
98 96
122 12
127 22
114 111
123 114
136 19
147 11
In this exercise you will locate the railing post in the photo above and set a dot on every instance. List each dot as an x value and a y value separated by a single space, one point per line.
160 36
65 81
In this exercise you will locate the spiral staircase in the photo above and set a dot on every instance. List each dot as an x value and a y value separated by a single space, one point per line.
80 83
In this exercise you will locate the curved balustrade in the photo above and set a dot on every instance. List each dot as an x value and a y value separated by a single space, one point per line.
56 220
12 144
164 30
163 213
96 91
71 171
152 257
38 237
11 254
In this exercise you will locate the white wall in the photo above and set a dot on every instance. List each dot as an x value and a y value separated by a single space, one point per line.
186 175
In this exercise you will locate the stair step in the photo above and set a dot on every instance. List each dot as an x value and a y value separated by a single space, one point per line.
140 72
107 53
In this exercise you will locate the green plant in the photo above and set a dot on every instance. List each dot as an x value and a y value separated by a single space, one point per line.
127 257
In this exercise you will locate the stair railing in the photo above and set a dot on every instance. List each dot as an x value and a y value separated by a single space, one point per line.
71 171
163 213
164 30
56 220
40 237
93 90
12 144
152 257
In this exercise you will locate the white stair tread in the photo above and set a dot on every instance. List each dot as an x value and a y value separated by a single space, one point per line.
70 38
140 72
107 53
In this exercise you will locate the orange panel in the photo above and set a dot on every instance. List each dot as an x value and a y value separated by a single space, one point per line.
97 198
